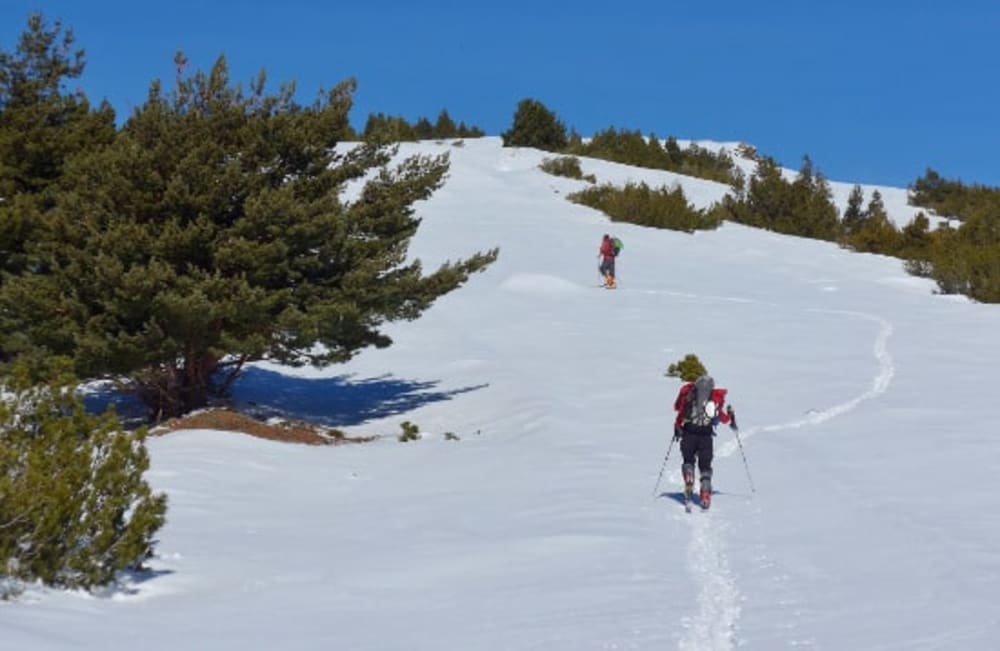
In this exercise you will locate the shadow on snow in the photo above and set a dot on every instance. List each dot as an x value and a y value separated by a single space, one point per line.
335 402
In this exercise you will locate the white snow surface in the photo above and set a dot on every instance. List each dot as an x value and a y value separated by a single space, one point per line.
863 401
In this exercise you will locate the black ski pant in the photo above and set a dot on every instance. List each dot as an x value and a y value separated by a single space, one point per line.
697 446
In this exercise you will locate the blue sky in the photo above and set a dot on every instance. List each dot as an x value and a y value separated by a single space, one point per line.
872 91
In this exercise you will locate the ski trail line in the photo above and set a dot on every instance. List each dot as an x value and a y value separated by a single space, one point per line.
879 384
714 626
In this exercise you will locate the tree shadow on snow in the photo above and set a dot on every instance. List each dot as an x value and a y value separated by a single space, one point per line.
130 410
335 402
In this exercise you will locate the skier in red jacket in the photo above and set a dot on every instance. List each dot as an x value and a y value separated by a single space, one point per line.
699 406
607 256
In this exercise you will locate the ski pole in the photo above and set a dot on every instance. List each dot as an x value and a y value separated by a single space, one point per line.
736 431
664 466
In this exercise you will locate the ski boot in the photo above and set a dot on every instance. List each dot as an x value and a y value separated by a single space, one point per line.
705 495
688 471
609 282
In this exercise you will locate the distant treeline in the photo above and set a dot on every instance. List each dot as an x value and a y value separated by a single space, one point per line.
963 260
388 128
536 126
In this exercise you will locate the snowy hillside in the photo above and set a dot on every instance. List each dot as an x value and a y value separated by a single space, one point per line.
864 402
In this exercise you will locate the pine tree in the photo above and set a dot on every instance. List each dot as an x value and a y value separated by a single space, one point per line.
211 233
535 126
877 233
74 507
445 126
819 216
42 126
854 214
423 129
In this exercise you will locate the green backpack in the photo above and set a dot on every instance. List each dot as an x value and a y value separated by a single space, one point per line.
616 246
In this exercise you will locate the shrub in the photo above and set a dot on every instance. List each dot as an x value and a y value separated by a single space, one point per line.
568 166
75 509
639 204
632 148
688 369
803 207
410 432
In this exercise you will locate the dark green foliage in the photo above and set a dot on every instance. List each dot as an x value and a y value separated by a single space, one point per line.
568 166
411 432
875 233
803 207
688 369
964 260
385 129
211 233
854 214
915 239
74 507
632 148
42 126
535 126
953 198
640 204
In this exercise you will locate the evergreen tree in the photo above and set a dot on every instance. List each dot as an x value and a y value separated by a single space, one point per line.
423 129
854 214
535 126
818 216
212 233
74 507
916 242
42 125
445 126
877 233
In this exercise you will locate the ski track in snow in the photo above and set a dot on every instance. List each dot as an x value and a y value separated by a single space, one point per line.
879 385
713 627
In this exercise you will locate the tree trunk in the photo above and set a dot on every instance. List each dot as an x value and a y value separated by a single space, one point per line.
172 391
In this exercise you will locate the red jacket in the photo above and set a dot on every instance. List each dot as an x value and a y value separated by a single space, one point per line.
607 249
718 397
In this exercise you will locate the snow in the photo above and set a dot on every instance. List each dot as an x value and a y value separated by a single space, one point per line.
862 395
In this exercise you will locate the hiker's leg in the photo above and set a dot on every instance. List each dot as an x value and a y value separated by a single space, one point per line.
689 446
705 454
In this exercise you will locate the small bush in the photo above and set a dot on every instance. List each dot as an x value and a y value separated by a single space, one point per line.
568 166
74 507
688 369
411 432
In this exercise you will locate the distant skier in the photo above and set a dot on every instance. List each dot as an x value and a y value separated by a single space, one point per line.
700 407
607 257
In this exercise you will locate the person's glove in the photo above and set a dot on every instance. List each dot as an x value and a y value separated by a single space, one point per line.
677 434
732 416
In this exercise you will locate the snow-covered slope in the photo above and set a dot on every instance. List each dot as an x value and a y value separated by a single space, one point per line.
862 397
